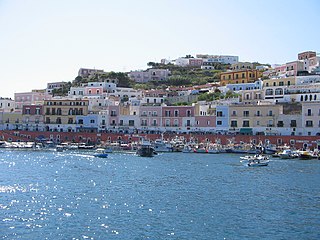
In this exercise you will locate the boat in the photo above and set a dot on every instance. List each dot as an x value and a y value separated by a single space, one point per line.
213 150
305 155
162 146
101 153
257 157
84 146
187 149
145 149
60 148
286 154
257 163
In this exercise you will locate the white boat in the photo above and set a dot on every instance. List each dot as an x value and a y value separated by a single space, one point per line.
257 157
257 163
187 149
160 145
213 150
286 154
60 148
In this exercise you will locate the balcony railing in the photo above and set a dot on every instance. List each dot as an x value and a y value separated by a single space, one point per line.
309 125
293 125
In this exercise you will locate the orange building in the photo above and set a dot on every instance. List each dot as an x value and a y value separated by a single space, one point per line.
242 76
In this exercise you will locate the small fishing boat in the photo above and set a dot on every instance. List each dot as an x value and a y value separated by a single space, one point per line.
145 149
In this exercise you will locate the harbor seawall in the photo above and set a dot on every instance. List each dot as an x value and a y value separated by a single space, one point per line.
96 138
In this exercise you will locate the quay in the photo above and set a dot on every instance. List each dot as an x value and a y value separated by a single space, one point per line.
297 142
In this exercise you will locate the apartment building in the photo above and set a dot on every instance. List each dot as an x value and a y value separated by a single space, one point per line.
241 76
61 114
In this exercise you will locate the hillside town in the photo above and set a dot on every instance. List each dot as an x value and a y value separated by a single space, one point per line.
246 100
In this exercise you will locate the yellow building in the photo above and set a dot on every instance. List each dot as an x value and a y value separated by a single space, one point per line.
261 117
242 76
60 111
279 82
12 120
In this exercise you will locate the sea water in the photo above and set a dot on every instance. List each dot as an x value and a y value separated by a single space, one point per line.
72 195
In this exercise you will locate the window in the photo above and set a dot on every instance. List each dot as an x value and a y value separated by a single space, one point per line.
92 121
246 113
280 124
270 113
234 123
234 113
293 123
219 114
309 123
269 92
176 113
80 121
167 113
309 112
154 122
245 123
219 122
131 122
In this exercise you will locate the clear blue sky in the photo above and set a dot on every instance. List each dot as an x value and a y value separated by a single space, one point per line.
45 41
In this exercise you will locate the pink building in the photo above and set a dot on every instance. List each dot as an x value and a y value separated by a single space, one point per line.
150 116
279 70
205 122
29 98
93 91
294 67
178 116
32 117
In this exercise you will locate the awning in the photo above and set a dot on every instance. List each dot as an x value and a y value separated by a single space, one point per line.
246 130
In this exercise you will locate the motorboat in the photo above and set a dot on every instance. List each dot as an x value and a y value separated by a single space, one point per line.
101 153
60 148
257 163
305 155
162 146
287 154
257 157
145 149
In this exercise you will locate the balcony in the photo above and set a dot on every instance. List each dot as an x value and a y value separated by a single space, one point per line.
258 115
293 125
309 125
270 125
143 115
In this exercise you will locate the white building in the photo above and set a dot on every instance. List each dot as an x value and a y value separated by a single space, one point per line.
311 118
224 59
148 75
7 105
